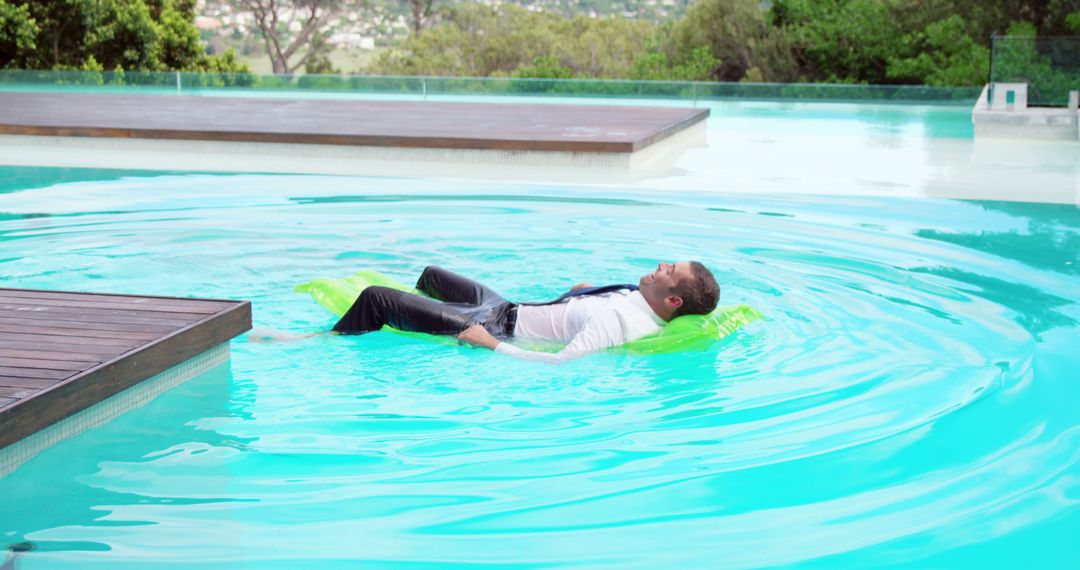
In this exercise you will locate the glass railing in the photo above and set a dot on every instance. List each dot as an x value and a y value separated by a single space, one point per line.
177 83
1049 65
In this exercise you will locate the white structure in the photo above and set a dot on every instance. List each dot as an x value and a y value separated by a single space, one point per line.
1002 112
1008 96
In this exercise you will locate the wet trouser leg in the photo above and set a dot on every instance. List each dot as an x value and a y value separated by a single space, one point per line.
467 303
445 285
378 306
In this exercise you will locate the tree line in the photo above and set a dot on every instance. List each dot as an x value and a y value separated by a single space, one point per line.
923 42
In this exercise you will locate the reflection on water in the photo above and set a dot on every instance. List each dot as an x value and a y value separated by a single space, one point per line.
1057 249
17 178
1050 240
1033 309
909 401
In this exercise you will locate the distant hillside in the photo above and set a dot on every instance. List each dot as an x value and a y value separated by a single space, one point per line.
655 10
355 37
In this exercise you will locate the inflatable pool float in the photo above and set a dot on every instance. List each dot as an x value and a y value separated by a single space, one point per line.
685 333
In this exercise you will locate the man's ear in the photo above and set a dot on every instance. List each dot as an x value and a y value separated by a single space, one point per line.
673 301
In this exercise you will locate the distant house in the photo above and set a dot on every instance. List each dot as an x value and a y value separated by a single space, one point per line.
351 40
207 23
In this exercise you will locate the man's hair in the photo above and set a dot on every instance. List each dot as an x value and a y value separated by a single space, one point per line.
699 293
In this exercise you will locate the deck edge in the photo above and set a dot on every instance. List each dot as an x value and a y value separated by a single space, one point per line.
25 417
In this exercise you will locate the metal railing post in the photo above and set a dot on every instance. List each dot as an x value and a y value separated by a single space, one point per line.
990 72
178 89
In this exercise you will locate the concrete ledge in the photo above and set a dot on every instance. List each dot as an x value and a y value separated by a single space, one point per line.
1021 122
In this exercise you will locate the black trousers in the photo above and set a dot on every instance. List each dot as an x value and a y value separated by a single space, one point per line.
455 304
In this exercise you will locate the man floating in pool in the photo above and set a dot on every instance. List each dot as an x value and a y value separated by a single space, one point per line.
589 319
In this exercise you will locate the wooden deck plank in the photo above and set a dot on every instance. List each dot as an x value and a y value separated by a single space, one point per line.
134 299
35 373
31 328
15 310
60 349
51 369
110 297
406 124
40 364
79 322
88 341
8 352
97 304
19 382
61 315
18 393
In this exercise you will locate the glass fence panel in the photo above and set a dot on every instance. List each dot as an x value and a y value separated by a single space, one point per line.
176 83
1049 65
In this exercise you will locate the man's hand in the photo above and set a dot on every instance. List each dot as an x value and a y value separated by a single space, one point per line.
580 286
477 335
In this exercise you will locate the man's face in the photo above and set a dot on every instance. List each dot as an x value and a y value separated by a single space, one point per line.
658 284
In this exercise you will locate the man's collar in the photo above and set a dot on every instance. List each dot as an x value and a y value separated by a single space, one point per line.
639 301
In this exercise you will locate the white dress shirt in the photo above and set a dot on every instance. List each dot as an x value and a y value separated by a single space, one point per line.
589 324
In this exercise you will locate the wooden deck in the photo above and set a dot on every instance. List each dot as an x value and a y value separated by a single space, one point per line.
412 124
63 352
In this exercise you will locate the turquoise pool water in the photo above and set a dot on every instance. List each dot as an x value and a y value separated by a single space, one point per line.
911 402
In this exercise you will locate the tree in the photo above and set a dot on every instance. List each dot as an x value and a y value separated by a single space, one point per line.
738 37
479 40
840 41
935 42
61 33
1073 21
17 34
421 13
318 61
288 26
1049 17
131 35
125 36
544 67
942 54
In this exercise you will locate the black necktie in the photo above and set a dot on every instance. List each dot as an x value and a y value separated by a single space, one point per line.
585 291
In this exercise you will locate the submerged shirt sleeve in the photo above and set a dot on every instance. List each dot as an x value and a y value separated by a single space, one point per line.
604 330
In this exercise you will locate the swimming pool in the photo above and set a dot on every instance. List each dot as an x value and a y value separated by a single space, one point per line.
909 402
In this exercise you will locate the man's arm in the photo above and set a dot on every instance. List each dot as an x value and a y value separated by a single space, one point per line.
260 334
477 335
602 331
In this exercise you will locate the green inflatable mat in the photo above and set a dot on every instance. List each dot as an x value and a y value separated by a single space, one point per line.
686 333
